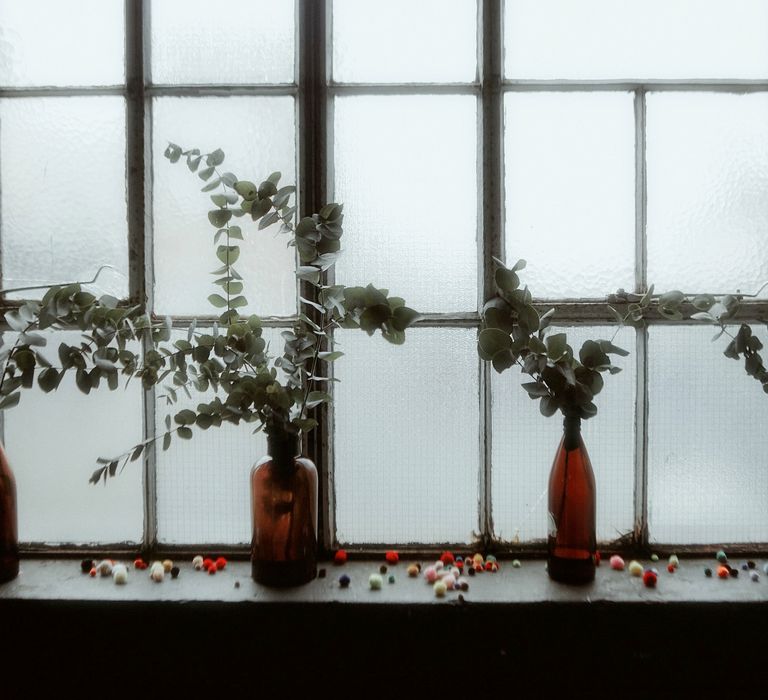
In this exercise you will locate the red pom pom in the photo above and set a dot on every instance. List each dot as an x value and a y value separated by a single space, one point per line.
460 565
92 572
392 557
489 566
139 563
340 557
447 558
221 562
207 564
649 579
212 569
671 568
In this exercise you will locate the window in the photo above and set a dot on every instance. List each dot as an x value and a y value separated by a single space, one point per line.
610 144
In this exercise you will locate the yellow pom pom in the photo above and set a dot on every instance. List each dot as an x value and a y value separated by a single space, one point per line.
440 588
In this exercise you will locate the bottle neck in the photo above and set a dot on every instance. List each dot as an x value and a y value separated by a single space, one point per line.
283 447
571 432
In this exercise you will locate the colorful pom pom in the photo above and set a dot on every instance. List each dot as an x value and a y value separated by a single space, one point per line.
413 570
344 580
447 558
674 561
617 563
708 572
105 567
382 569
92 573
734 572
754 576
157 572
167 566
392 557
207 563
471 570
439 588
375 581
197 562
430 573
449 582
649 579
120 574
751 564
86 565
597 558
212 569
477 558
175 571
722 572
340 557
516 564
671 568
391 578
221 563
635 568
721 556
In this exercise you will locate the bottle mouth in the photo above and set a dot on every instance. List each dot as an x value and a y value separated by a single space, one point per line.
283 446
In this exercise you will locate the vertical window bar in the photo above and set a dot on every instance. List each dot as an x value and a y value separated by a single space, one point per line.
314 63
641 344
139 226
490 214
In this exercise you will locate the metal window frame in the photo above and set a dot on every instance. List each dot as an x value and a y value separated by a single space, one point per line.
314 91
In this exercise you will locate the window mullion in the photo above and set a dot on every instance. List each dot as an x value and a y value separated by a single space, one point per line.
641 345
313 61
490 214
139 226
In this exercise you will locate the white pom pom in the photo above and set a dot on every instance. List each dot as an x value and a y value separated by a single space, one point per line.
197 562
157 572
104 568
120 574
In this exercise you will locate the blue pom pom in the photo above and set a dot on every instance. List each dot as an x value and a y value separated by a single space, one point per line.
344 580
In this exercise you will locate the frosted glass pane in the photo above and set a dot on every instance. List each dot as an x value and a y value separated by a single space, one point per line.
203 491
259 138
570 191
63 190
406 171
53 442
595 39
401 41
707 463
61 42
407 438
229 41
525 442
708 191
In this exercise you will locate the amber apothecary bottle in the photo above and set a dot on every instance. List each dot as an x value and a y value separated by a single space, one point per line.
9 546
284 514
571 541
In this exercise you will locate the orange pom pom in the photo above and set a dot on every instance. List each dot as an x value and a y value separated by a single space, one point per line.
340 557
392 557
723 572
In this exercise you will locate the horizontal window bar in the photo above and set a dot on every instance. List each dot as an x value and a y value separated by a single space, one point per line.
736 86
63 91
404 88
223 90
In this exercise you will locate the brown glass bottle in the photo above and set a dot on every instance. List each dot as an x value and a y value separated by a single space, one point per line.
284 514
571 542
9 546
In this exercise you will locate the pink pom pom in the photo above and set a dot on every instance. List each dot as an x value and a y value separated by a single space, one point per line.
430 573
617 563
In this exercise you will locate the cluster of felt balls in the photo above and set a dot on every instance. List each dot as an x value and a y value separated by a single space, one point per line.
119 572
200 563
650 575
725 570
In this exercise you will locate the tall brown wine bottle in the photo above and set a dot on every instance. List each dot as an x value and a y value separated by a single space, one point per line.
9 546
284 512
571 541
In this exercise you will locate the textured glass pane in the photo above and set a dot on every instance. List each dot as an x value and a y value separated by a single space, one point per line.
259 138
707 463
203 491
407 438
53 442
61 42
595 39
570 191
708 191
401 41
406 171
63 190
229 41
525 442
